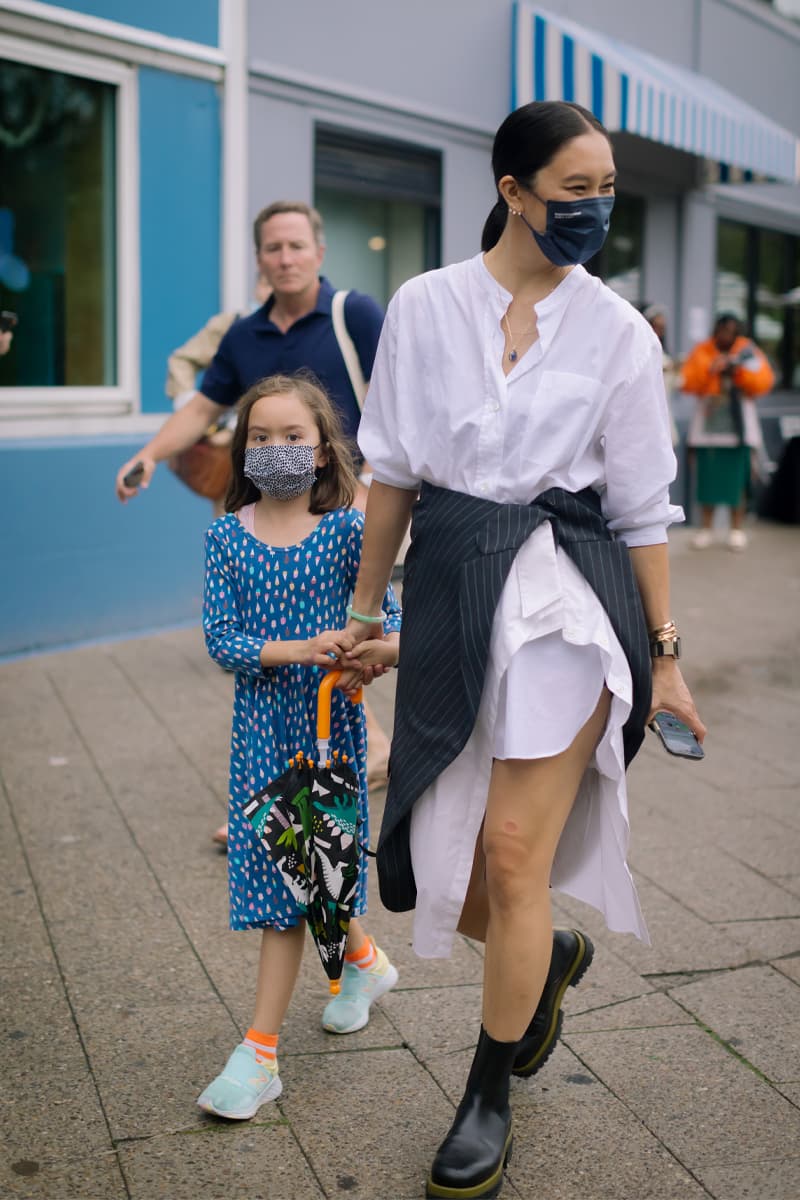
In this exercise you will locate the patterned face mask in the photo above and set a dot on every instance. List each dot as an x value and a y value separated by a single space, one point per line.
282 472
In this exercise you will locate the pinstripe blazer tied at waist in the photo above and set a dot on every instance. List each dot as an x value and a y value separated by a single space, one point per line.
462 549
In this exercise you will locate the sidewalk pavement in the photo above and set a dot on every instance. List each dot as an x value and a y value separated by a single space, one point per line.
123 992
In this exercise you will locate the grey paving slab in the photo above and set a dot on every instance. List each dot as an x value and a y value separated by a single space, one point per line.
754 1009
151 1062
85 1177
574 1140
180 694
50 1112
791 1091
395 1110
765 939
791 883
790 967
712 884
259 1160
109 962
699 1100
642 1013
436 1021
753 1181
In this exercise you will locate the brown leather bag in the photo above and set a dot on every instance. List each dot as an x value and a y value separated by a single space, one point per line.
206 466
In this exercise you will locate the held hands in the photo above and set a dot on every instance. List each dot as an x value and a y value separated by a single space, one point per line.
326 650
125 491
670 694
370 659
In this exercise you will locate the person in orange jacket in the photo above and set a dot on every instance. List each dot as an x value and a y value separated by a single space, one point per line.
725 374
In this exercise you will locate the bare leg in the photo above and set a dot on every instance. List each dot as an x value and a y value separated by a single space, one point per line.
356 936
527 807
707 515
737 515
278 967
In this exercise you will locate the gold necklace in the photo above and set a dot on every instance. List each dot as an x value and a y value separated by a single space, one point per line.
513 354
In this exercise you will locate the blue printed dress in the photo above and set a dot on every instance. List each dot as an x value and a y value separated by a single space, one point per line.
256 593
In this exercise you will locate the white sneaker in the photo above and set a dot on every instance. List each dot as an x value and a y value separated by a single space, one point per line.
737 540
702 539
349 1011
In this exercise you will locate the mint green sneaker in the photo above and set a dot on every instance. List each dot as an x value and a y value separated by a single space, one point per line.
349 1011
242 1088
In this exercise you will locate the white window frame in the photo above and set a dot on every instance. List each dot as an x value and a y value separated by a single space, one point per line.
34 410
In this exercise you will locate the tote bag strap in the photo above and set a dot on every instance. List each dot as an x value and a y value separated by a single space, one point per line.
347 347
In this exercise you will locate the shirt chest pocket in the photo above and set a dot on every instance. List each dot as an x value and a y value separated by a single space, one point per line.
562 416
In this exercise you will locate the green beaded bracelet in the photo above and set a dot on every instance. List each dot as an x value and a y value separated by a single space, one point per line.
364 620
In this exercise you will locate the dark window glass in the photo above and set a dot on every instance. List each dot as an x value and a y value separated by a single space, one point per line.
758 279
619 263
380 201
57 227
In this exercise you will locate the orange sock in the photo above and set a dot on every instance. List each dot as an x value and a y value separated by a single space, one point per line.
264 1044
364 958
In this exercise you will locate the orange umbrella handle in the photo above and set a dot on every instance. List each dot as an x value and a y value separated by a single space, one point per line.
329 681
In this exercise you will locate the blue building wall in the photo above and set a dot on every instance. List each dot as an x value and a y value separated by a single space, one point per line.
193 20
78 564
180 217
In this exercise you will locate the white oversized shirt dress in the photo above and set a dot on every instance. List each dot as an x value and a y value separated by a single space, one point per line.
584 407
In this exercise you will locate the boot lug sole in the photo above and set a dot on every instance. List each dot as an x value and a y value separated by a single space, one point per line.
571 979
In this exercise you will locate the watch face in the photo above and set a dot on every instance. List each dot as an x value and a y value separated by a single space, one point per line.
666 649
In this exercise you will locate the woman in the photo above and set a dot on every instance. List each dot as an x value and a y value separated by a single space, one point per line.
524 402
726 374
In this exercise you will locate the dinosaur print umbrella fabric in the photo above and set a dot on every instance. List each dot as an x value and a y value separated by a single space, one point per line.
308 820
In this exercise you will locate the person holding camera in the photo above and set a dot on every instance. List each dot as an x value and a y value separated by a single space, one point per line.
725 373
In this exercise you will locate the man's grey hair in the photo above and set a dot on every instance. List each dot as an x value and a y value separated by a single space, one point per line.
289 206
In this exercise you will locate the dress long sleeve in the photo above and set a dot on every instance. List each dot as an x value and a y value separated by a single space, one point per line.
223 625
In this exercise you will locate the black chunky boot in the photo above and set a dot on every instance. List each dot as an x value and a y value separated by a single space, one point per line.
572 956
469 1163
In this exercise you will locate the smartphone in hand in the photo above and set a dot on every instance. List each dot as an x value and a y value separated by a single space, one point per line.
133 477
676 737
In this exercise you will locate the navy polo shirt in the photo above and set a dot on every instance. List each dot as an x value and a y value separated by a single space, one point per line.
255 347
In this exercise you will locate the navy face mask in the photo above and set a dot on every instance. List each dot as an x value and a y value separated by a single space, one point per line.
576 229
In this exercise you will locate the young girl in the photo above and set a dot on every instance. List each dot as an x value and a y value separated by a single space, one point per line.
281 565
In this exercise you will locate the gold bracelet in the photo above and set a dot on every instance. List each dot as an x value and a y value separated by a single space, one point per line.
664 633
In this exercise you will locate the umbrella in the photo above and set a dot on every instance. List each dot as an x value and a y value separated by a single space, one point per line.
308 820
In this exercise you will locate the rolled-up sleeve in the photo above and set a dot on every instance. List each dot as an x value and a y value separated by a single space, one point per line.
385 421
639 460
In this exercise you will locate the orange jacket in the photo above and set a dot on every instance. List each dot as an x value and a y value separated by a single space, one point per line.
754 379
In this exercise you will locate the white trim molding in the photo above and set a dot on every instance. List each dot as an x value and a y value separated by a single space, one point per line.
96 35
235 233
131 426
26 405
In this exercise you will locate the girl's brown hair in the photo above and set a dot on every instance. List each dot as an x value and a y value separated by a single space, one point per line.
336 482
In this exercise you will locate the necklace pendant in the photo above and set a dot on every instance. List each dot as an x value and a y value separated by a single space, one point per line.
512 356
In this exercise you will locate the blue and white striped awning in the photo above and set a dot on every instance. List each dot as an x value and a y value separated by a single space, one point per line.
628 89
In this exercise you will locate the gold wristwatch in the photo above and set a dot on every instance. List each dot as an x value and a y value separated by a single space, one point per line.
671 649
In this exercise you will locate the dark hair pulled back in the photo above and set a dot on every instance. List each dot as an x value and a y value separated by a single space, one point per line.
529 138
